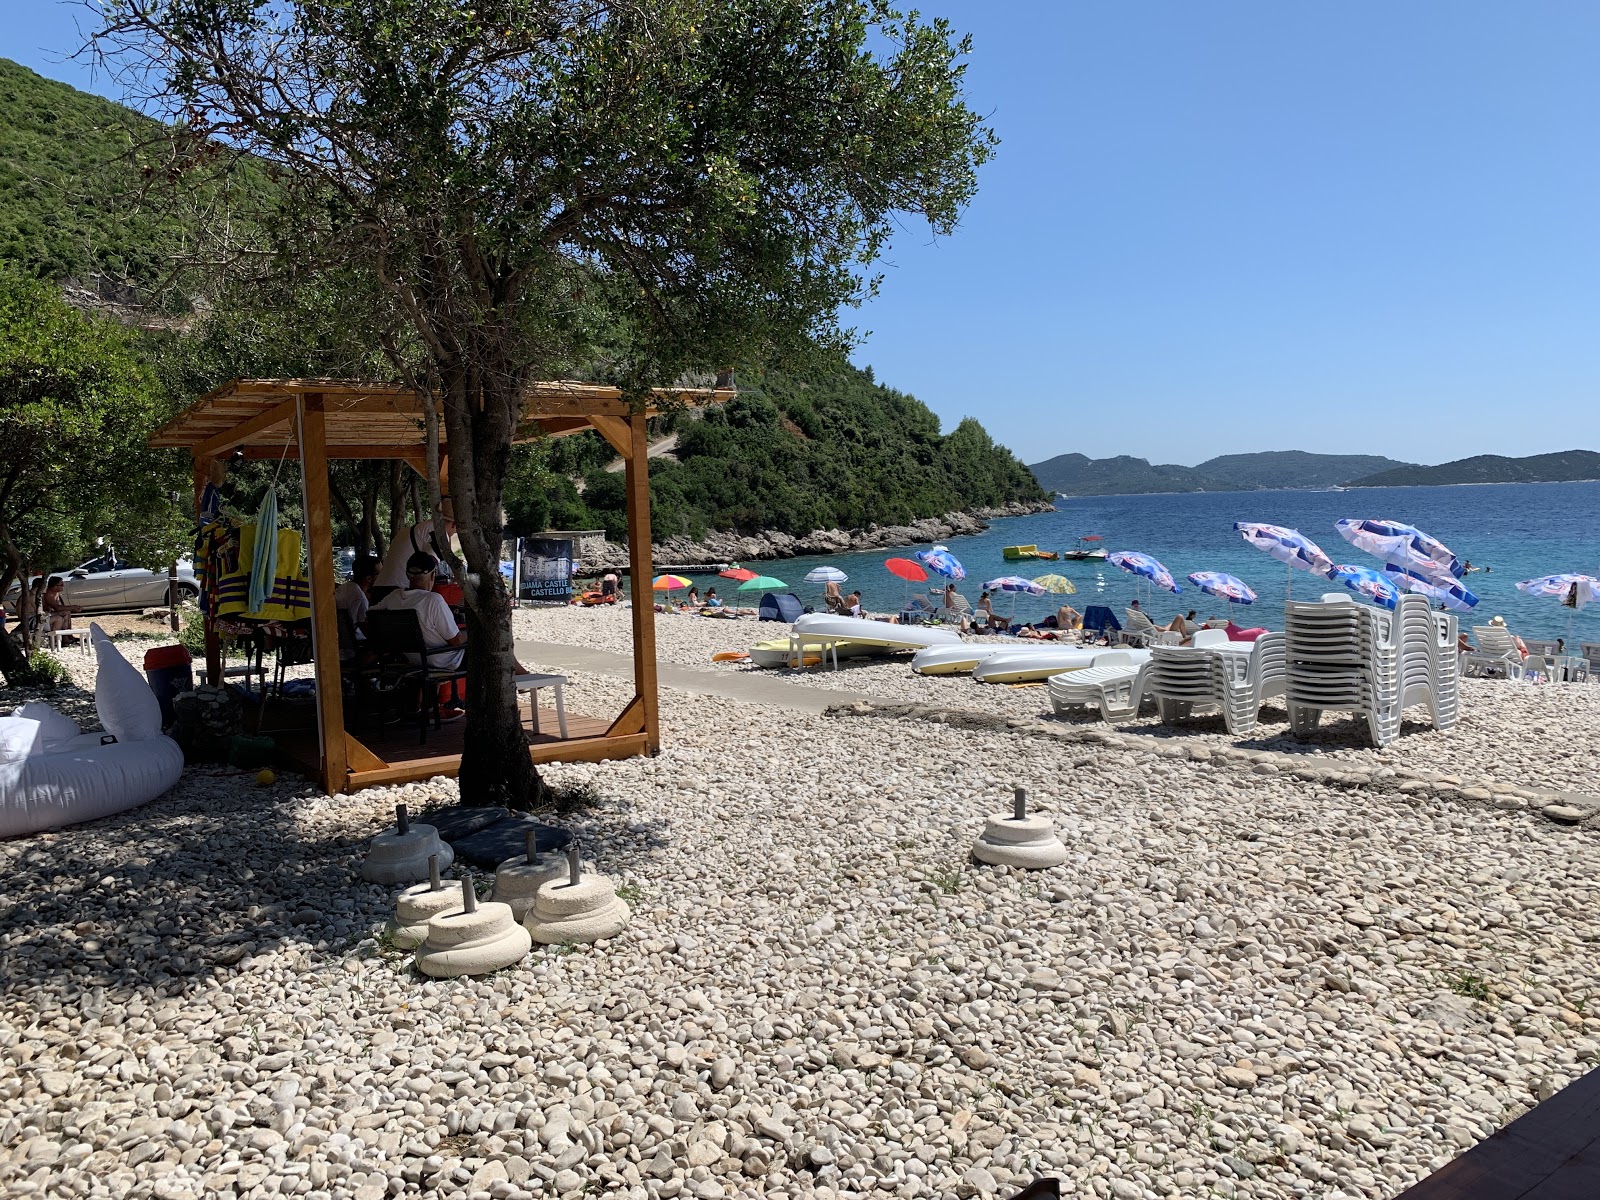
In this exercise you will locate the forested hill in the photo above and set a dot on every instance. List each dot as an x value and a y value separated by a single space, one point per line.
1077 475
835 451
1563 466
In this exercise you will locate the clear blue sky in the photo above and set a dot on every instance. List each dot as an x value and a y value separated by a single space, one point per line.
1362 228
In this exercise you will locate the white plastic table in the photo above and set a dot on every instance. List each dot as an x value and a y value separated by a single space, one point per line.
557 683
55 639
827 643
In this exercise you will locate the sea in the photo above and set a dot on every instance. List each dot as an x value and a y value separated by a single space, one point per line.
1512 531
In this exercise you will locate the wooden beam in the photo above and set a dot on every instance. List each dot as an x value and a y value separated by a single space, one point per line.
630 720
614 430
359 757
592 749
324 620
202 471
221 443
637 482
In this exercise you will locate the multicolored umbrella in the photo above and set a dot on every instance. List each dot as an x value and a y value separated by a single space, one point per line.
1366 582
904 568
826 575
1288 546
1143 565
670 583
739 573
1574 591
1452 595
1229 587
761 583
1404 545
1013 583
940 561
1058 584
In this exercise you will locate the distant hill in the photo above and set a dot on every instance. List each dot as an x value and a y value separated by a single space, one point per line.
1078 475
1563 466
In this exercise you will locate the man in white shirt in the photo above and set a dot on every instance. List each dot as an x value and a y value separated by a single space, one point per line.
438 624
419 539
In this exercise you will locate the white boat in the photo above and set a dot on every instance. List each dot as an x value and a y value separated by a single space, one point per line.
1024 665
875 633
958 660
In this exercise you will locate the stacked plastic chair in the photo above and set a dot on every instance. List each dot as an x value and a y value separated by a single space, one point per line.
1350 657
1189 679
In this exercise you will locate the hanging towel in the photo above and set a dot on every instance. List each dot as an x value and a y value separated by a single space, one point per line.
289 598
264 562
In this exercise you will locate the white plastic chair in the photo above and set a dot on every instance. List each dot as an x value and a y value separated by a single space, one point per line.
1497 651
1205 678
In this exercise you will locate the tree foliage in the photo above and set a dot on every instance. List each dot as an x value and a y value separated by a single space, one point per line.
690 183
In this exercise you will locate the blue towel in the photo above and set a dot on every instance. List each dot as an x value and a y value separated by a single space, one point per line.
264 562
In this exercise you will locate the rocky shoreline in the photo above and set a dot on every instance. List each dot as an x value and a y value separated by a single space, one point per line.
724 547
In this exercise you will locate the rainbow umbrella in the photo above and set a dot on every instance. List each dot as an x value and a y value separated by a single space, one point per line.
1229 587
1404 546
1058 584
940 561
670 583
1453 596
1366 582
1149 568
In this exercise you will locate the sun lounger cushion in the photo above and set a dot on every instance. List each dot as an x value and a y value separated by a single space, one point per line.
1235 634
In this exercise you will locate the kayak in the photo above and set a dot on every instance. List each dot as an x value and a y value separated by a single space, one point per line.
875 633
1042 663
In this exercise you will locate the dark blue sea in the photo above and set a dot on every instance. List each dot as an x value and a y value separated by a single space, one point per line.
1515 531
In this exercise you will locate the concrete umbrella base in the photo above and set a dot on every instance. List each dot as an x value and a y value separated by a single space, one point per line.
585 911
517 880
462 942
412 909
1027 842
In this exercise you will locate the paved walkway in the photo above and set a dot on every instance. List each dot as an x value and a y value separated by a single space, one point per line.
727 683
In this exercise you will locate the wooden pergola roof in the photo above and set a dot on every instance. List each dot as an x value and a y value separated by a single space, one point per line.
376 420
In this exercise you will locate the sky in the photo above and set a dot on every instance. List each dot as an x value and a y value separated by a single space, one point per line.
1213 228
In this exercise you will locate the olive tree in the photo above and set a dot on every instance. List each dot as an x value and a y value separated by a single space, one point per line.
669 185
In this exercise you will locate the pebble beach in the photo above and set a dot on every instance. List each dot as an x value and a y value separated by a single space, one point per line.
1269 968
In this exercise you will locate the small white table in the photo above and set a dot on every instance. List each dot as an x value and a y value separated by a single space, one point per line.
827 643
557 684
55 639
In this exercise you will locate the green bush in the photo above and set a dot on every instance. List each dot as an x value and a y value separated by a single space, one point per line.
45 670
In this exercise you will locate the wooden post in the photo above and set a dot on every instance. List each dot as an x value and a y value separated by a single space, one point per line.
324 621
202 468
637 481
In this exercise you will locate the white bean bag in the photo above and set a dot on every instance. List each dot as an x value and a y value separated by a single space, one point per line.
52 775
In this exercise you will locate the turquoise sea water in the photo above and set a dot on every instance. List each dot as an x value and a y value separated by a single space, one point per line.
1517 530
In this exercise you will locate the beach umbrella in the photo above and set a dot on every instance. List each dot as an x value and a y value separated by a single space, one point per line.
1404 545
940 561
826 575
1452 595
1574 591
1366 582
1288 546
1058 584
739 573
1013 583
670 583
904 568
1145 567
1228 587
761 583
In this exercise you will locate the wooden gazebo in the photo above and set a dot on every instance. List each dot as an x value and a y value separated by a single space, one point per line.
316 420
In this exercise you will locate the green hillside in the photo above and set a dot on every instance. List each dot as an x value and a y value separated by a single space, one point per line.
837 451
1079 475
1563 466
1294 468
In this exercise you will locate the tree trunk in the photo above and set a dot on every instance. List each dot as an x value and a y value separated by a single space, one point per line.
397 499
480 415
371 535
13 664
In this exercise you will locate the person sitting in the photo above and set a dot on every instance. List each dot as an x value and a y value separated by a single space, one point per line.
835 604
608 585
1464 643
852 605
712 599
354 596
983 614
446 639
1068 617
694 597
53 605
831 593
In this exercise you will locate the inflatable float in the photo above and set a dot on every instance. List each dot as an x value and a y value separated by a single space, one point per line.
52 774
863 632
1042 662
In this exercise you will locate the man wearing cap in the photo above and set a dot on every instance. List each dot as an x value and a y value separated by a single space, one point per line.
438 623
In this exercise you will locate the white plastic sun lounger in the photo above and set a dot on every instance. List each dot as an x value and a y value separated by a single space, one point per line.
1111 684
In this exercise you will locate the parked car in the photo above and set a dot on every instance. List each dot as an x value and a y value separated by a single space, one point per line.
107 584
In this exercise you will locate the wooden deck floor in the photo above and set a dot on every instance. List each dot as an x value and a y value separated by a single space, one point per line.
1551 1152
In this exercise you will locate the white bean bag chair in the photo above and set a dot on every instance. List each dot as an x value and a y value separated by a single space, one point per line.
51 774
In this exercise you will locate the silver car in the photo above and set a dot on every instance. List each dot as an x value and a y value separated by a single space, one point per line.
107 584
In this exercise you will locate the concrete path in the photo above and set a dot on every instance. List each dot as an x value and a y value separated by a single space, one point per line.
728 683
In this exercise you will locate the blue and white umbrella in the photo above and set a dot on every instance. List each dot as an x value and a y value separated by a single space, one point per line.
940 561
1574 591
1366 582
1452 595
1143 565
1229 587
1014 583
826 575
1405 546
1289 546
